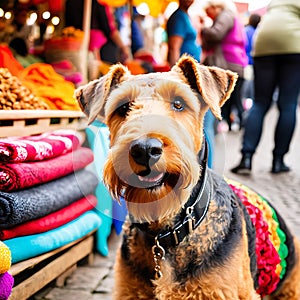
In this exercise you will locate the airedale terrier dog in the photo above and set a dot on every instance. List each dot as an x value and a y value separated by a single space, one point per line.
190 234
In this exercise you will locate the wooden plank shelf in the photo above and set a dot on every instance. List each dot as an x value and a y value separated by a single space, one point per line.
33 274
30 122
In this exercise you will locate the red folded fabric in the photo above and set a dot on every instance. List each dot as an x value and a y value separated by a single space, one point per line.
52 220
16 176
39 147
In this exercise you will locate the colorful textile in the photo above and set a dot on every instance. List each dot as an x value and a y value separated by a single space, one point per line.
98 138
50 86
5 258
271 250
6 285
21 206
29 246
16 176
39 147
7 60
52 220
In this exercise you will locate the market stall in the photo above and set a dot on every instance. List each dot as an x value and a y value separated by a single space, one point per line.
54 211
54 208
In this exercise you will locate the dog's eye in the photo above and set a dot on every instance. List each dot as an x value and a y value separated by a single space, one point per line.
178 104
123 109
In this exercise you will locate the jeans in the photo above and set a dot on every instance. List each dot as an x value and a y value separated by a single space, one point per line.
235 100
271 72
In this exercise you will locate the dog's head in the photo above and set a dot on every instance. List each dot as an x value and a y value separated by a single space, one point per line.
156 131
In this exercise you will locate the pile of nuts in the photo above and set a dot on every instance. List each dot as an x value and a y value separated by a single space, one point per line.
14 95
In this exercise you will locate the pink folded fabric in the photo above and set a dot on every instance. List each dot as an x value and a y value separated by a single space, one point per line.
16 176
39 147
52 220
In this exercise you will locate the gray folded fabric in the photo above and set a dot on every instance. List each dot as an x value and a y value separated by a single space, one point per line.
28 204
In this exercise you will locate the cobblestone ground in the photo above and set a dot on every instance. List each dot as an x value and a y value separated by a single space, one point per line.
95 282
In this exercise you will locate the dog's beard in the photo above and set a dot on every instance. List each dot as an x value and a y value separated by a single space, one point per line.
154 198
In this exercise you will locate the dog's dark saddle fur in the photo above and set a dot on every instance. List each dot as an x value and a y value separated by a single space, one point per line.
230 213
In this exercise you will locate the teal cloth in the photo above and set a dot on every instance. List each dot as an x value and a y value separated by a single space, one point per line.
29 246
98 138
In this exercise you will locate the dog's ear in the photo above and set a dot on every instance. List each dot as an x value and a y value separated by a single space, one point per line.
214 84
92 96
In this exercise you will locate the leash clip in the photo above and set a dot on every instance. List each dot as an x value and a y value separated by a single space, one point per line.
158 255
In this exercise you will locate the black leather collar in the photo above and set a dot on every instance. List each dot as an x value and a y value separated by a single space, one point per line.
191 214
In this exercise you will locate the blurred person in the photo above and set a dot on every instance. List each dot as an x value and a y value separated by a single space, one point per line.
276 52
182 36
103 28
137 37
224 41
20 27
250 28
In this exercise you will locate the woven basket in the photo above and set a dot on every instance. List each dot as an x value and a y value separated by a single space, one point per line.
63 44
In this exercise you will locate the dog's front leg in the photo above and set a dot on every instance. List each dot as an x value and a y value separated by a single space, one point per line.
129 285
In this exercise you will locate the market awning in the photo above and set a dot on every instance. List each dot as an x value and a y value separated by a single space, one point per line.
156 7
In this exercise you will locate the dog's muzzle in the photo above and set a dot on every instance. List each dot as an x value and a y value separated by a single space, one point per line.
146 152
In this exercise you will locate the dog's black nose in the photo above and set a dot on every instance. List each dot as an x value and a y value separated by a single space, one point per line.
146 151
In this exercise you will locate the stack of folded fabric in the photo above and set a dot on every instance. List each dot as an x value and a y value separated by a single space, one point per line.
47 195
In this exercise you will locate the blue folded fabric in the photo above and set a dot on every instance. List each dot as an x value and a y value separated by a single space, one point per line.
21 206
29 246
98 138
119 214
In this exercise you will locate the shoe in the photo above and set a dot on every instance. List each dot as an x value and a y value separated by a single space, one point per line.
278 166
244 167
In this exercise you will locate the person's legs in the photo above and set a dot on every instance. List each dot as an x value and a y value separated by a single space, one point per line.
237 100
226 110
289 87
264 83
234 100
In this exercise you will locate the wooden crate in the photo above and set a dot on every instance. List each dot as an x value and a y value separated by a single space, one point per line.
33 274
30 122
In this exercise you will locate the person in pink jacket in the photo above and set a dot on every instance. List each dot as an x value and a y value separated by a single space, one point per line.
226 38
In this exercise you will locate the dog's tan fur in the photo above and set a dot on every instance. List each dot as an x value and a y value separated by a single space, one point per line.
181 133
